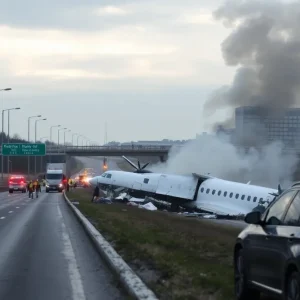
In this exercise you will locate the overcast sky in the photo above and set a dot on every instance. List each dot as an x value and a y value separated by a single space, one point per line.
143 66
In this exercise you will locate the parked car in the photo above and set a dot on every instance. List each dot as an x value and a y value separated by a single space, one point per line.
267 252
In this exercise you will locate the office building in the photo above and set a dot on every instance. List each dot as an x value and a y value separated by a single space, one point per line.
251 122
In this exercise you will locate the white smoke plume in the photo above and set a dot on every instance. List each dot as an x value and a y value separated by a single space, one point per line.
218 157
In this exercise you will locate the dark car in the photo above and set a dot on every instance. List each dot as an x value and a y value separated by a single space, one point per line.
267 252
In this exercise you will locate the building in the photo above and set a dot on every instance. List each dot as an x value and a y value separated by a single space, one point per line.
256 126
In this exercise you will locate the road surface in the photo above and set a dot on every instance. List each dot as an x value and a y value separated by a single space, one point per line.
45 254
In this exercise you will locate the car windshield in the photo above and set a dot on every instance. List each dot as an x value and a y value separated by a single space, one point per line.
54 176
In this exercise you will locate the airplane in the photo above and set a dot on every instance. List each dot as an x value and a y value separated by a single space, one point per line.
203 192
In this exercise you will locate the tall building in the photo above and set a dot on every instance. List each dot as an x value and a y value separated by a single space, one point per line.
254 125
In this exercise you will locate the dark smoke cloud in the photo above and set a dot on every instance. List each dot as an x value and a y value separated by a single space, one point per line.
265 45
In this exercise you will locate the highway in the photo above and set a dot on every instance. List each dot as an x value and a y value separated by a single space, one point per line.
45 254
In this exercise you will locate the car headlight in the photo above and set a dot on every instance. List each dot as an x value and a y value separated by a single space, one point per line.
60 185
47 185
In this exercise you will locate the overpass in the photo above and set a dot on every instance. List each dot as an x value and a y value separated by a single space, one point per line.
160 151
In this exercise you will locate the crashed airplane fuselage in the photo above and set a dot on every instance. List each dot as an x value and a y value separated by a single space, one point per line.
191 191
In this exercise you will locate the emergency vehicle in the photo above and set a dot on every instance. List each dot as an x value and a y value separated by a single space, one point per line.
17 183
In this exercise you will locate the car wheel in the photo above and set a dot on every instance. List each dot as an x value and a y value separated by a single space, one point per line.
10 191
241 289
292 291
47 191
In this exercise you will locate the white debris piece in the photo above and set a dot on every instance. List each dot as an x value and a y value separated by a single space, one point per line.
136 200
121 196
210 217
148 206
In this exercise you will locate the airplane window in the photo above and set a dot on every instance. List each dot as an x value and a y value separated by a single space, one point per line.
213 192
108 176
225 194
230 195
292 217
202 190
207 191
146 180
254 199
219 193
278 208
236 196
249 198
243 197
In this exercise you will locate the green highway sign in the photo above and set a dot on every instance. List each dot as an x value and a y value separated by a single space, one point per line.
18 149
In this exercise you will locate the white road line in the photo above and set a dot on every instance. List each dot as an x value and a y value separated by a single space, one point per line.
17 207
10 212
74 275
2 218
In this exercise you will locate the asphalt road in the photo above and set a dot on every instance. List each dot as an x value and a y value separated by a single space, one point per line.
46 255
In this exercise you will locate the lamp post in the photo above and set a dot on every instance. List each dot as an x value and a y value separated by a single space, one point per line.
78 139
58 134
42 138
35 133
8 112
65 136
55 126
73 138
29 118
3 90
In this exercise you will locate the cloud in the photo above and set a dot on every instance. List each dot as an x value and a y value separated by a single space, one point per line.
163 54
111 10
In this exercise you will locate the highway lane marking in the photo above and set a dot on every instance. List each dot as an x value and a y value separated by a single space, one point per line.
74 275
2 218
17 207
10 212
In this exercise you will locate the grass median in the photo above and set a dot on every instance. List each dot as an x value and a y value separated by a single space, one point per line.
177 257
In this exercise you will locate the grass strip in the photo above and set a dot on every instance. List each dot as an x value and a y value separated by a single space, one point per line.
177 257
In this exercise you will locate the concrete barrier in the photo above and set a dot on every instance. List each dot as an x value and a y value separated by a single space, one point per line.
130 281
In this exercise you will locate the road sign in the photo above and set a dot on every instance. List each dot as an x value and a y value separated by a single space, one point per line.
18 149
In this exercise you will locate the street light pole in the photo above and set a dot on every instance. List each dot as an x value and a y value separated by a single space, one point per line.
29 118
2 160
58 134
78 139
65 137
8 111
35 132
73 138
42 138
51 136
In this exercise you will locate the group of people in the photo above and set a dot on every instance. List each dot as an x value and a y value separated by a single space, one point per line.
34 186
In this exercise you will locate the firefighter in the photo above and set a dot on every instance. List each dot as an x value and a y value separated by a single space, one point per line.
37 188
30 188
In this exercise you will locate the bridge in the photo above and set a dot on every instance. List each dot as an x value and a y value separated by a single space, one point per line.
160 151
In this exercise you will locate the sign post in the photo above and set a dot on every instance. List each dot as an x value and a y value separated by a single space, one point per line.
19 149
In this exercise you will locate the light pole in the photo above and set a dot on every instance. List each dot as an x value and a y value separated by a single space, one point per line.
55 126
29 118
78 139
8 112
3 90
35 132
43 138
73 138
65 136
58 134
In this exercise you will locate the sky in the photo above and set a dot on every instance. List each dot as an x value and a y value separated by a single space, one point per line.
145 67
